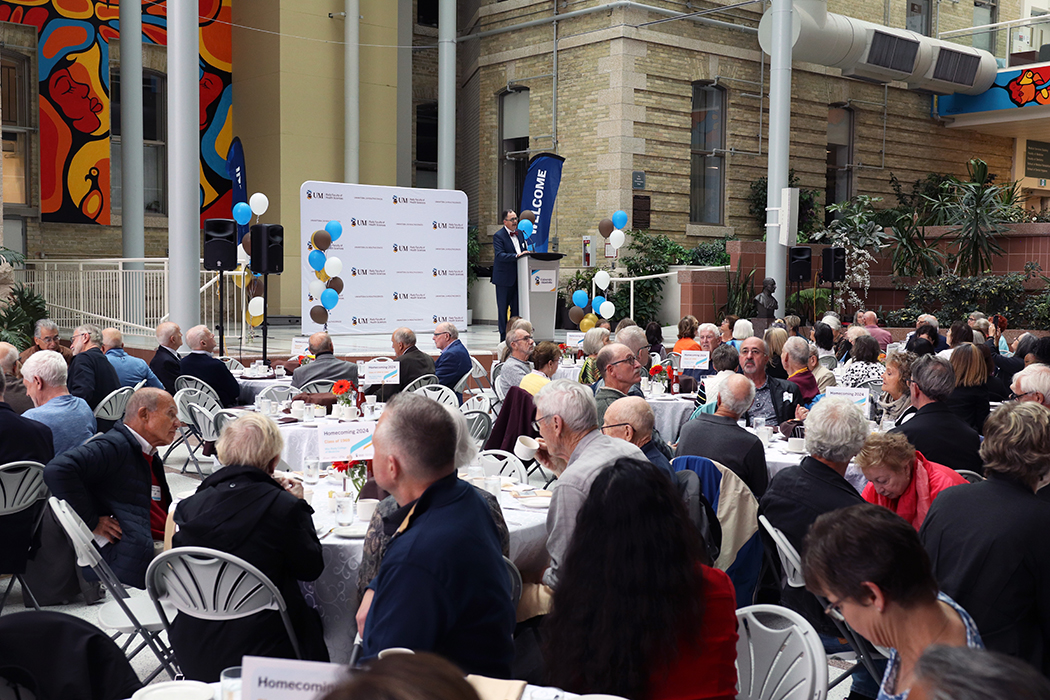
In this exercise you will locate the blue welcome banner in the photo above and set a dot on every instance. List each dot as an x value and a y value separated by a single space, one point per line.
538 195
235 170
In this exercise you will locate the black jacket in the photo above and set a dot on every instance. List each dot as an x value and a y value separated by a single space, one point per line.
785 408
988 546
795 498
414 364
214 373
243 511
165 364
110 476
971 404
20 439
92 378
943 437
720 439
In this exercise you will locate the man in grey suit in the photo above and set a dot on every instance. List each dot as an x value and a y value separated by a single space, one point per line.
325 364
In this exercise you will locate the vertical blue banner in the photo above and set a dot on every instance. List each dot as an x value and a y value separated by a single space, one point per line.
236 172
538 195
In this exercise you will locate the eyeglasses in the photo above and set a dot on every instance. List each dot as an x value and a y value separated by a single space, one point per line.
524 337
49 338
835 612
511 218
632 359
536 423
614 425
437 333
1018 397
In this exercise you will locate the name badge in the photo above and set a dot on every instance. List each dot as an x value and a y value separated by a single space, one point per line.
154 492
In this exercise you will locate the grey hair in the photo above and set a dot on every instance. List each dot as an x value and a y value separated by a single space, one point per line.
571 400
1025 344
836 430
47 365
147 398
635 411
421 433
733 400
606 355
44 324
934 376
94 333
253 440
594 340
466 449
8 356
725 356
710 328
453 332
977 315
405 336
982 325
929 319
814 351
1034 377
797 349
633 337
324 346
962 673
195 335
165 331
832 322
743 329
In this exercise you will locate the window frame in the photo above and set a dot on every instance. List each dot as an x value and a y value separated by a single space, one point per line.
698 211
20 128
158 145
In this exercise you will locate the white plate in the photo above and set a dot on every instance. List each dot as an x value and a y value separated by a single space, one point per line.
535 501
175 690
797 452
351 532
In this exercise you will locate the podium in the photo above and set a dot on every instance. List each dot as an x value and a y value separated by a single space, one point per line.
538 292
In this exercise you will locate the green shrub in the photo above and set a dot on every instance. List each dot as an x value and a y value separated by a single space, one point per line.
708 254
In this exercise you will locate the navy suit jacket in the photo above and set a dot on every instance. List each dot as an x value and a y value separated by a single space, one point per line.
452 364
165 364
214 373
505 264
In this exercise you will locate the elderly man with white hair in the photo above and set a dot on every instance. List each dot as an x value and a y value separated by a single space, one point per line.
213 372
69 417
91 376
1032 384
17 398
166 361
46 337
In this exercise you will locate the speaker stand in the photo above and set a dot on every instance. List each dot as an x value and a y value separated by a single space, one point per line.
266 304
222 313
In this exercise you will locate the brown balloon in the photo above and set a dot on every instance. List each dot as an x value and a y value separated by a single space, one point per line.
246 243
321 239
527 214
605 227
254 288
319 314
576 314
336 283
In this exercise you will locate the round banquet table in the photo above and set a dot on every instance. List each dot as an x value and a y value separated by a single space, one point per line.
570 372
778 459
671 413
334 593
300 441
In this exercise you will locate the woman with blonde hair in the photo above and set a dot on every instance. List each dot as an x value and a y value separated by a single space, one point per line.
895 400
775 339
969 400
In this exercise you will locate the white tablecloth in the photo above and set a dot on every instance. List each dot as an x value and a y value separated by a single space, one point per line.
671 414
250 388
570 372
778 459
334 594
300 442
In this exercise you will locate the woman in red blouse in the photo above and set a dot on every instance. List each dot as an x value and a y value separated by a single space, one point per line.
637 613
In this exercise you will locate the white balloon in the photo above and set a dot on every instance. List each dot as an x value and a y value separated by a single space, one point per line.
333 266
601 278
617 239
256 306
607 309
259 203
316 287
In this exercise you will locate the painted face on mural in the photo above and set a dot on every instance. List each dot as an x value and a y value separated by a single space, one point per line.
75 100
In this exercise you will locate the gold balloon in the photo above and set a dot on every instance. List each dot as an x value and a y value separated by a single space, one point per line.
322 275
593 318
241 276
253 321
586 324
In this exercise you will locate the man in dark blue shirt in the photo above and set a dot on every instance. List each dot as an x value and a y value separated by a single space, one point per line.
442 585
631 419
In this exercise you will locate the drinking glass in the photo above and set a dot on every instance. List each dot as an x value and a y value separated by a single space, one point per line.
230 683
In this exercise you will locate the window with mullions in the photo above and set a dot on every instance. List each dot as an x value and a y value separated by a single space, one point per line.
707 143
839 182
154 137
14 92
514 147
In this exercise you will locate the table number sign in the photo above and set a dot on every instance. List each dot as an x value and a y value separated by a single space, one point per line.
860 397
288 679
695 359
300 345
574 339
345 442
382 373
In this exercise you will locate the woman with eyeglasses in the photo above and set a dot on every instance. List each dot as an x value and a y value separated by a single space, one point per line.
875 575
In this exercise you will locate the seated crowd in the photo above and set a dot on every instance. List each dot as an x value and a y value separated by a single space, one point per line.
922 537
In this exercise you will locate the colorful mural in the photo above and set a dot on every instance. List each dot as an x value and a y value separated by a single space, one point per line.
73 63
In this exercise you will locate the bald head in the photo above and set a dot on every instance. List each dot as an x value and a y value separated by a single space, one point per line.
870 319
636 413
8 357
112 338
321 342
169 335
735 396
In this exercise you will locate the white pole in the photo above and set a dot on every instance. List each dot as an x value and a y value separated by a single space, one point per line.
133 228
447 94
352 92
779 144
183 164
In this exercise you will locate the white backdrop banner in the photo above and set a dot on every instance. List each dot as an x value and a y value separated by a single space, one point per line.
403 255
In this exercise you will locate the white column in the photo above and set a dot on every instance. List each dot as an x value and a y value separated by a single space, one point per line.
352 92
779 143
447 94
132 227
183 164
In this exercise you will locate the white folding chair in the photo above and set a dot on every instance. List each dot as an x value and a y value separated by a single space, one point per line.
231 363
187 381
139 385
224 418
874 387
478 371
440 393
461 383
828 362
278 392
477 403
654 358
188 429
123 614
502 463
317 386
516 584
675 359
779 656
212 585
420 382
112 407
21 487
479 423
204 421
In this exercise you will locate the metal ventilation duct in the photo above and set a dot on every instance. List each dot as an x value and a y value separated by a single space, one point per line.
879 54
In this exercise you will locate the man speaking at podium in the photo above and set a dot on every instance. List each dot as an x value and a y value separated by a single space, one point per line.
508 245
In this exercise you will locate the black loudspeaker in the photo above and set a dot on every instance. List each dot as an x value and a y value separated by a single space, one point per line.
834 264
220 244
267 249
800 264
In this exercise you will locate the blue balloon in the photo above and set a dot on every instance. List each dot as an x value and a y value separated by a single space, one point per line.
317 260
525 226
242 213
579 297
329 298
619 219
334 229
597 303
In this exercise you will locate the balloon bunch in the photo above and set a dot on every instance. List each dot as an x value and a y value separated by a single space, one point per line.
257 204
589 319
328 285
613 228
527 223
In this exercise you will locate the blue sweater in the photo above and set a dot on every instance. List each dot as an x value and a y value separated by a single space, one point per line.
131 370
443 585
70 419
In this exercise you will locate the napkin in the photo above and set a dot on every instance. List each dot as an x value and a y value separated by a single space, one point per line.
496 689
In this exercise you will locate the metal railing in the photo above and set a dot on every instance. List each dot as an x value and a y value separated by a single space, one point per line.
632 280
129 294
1013 43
